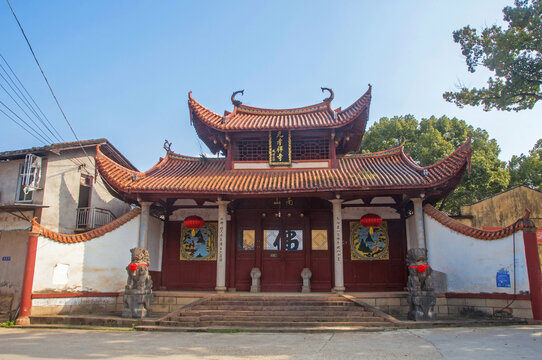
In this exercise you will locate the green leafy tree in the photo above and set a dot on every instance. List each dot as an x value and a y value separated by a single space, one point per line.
527 169
431 140
514 55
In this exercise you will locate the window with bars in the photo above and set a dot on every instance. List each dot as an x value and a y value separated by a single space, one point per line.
310 148
305 148
24 173
252 150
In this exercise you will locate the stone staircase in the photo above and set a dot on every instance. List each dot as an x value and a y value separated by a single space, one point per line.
267 312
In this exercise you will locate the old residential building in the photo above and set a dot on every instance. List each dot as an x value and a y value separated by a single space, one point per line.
57 185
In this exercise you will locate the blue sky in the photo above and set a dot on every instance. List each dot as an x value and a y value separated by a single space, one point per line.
122 69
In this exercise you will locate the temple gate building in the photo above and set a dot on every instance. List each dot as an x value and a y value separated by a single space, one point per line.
287 195
288 206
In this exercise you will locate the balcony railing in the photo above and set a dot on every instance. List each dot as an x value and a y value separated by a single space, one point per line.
91 218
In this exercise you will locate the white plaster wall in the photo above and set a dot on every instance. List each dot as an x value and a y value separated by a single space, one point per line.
207 214
155 243
97 265
61 190
9 174
355 213
471 265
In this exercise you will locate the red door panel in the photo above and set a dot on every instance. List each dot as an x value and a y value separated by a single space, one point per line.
377 275
182 274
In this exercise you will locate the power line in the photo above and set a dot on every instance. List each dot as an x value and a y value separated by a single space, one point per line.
44 140
50 88
28 116
25 101
25 129
30 96
46 80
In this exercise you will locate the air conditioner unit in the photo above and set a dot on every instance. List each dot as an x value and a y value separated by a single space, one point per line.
32 173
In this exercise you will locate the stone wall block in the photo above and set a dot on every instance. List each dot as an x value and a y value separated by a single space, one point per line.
160 308
369 301
455 301
522 313
441 301
388 301
475 302
185 301
170 300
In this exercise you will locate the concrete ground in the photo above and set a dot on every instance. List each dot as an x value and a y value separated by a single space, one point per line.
510 342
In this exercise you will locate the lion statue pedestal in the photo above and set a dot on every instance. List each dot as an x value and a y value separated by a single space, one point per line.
138 291
421 294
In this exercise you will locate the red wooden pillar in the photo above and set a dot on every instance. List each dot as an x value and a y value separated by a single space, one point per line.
533 269
28 280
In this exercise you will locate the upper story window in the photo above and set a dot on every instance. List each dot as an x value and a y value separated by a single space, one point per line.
26 175
29 178
305 148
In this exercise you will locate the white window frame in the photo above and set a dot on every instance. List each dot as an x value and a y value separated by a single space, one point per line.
27 198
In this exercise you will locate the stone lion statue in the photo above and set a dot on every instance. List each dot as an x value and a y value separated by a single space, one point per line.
138 292
421 295
138 270
419 272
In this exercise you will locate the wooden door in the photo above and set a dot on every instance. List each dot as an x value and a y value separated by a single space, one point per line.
247 246
180 274
320 261
283 244
388 274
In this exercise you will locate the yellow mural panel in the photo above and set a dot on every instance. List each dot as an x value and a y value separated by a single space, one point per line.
201 246
367 246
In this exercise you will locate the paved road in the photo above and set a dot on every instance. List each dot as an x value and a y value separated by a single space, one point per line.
517 342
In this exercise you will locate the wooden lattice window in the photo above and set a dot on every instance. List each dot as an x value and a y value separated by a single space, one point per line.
310 148
303 148
252 150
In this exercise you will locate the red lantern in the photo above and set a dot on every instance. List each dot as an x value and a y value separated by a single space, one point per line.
193 223
371 221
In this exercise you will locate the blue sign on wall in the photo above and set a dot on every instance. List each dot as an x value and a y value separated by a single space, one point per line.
503 278
6 258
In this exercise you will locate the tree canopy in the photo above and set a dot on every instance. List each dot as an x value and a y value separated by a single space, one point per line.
527 169
513 54
431 140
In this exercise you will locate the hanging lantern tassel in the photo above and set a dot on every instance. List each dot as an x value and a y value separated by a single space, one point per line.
371 221
193 223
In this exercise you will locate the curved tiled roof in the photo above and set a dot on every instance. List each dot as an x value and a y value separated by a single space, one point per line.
248 118
386 170
480 234
86 236
245 117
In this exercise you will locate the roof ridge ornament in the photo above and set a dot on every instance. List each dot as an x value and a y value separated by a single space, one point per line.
233 100
331 94
167 146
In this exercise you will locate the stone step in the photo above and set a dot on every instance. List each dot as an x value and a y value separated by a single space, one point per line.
211 306
286 297
256 318
281 302
247 323
270 329
285 312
